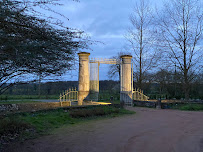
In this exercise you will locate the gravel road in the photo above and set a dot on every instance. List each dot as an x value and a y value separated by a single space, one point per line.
149 130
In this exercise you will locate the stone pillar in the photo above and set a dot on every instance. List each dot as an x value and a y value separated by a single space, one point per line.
84 78
94 81
126 80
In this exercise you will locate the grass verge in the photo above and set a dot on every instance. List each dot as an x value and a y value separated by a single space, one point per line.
192 107
31 125
18 101
177 106
20 97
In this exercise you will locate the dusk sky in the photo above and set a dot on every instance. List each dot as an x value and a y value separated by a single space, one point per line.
106 21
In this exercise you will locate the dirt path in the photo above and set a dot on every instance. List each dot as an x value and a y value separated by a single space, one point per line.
149 130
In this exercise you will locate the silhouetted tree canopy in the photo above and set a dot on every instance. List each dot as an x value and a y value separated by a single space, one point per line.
31 44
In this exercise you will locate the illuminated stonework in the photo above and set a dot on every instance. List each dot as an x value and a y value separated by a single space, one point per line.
88 81
88 88
84 77
126 86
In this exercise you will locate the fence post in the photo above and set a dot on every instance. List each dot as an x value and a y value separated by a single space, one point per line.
60 97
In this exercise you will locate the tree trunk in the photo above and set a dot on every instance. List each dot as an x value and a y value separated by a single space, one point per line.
186 87
39 89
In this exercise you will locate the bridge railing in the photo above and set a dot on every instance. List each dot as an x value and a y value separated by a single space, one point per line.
69 95
104 61
138 95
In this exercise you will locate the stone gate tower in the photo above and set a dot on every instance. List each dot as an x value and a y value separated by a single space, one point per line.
84 77
126 80
86 90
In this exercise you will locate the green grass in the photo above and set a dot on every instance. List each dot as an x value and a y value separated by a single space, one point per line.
43 122
18 102
20 97
106 95
192 107
30 125
186 106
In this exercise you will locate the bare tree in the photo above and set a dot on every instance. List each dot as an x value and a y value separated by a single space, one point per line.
142 41
114 69
180 35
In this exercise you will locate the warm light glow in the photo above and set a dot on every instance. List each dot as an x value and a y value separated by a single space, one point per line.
101 103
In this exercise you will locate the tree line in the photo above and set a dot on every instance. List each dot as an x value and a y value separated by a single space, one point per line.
166 85
160 39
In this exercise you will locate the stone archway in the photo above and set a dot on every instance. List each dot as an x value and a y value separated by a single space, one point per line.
87 88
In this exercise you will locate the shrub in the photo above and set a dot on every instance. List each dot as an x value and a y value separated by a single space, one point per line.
12 125
192 107
11 129
93 112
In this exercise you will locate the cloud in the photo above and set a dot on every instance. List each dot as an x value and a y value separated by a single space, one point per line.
104 20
